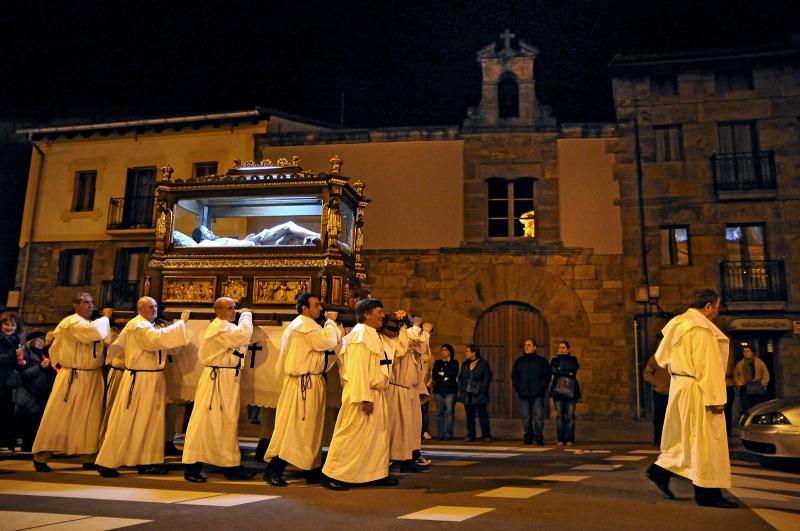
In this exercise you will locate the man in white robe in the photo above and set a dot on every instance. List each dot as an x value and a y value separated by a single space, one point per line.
135 435
359 451
694 442
213 432
115 360
299 421
420 339
71 421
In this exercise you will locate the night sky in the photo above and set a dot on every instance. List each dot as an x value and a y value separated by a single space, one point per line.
399 63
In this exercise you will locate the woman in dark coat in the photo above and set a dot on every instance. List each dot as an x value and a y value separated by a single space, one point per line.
445 388
473 391
10 354
566 392
37 381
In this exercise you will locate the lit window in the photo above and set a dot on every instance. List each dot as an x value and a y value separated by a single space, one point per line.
507 200
675 246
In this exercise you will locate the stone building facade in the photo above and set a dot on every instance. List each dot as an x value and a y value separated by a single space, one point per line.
718 135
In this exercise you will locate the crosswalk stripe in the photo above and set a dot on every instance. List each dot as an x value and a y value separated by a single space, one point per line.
569 478
97 492
512 492
447 513
17 520
764 472
626 458
471 454
646 452
599 467
473 447
765 484
780 520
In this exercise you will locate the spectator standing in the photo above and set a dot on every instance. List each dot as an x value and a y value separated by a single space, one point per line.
37 377
11 357
658 378
566 391
530 377
751 377
445 388
473 391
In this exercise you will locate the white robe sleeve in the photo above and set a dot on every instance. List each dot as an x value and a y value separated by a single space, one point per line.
325 338
172 336
90 331
709 368
240 335
357 361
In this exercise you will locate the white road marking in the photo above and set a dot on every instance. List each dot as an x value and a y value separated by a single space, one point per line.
16 520
447 513
512 492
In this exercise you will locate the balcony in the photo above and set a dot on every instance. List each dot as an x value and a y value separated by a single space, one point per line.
119 294
131 213
741 175
763 281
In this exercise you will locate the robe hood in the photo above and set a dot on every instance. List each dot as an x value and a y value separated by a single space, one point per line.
680 326
117 348
301 324
362 333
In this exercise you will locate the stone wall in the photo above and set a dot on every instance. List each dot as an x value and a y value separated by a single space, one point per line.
579 295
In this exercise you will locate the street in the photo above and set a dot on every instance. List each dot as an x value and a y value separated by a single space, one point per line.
500 486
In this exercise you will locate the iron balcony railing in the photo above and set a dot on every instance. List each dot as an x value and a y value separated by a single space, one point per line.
742 172
119 294
763 281
131 212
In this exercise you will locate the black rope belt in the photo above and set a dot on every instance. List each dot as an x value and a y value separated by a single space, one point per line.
683 375
215 372
72 377
306 383
400 385
112 377
133 382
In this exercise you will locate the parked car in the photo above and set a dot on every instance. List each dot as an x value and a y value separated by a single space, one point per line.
771 430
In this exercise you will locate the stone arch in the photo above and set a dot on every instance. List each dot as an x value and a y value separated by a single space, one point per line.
508 96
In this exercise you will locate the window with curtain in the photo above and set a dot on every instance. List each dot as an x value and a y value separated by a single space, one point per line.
738 137
83 197
507 200
75 267
745 243
201 169
668 142
675 246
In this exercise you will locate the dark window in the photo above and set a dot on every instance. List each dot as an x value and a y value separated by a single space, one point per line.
75 267
731 80
745 243
130 264
83 199
201 169
507 200
674 245
664 85
669 143
508 97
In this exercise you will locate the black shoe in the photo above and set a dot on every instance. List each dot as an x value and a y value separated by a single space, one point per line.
274 479
152 470
261 450
409 465
720 503
487 439
195 478
171 449
107 472
469 438
712 497
333 484
660 477
388 481
89 466
313 476
41 467
539 442
527 441
238 473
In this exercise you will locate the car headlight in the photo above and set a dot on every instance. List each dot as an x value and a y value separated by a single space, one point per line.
771 418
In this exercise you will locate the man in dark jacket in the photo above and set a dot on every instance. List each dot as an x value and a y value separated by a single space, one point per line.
37 375
530 377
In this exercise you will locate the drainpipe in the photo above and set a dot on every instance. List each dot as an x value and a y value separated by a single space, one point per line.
34 188
640 188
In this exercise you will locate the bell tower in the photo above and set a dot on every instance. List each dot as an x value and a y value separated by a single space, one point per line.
509 87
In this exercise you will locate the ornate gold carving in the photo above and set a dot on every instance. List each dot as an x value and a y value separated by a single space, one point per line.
323 288
359 186
528 220
241 263
234 288
336 290
347 293
295 160
265 162
237 163
279 290
161 224
166 172
283 162
189 289
336 164
147 285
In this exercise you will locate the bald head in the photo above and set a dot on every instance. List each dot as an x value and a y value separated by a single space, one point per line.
225 309
147 308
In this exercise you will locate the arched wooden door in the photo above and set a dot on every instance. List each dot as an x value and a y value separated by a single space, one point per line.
500 333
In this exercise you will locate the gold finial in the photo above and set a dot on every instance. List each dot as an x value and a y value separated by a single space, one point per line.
359 186
265 162
528 220
295 160
166 172
336 164
237 163
283 162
